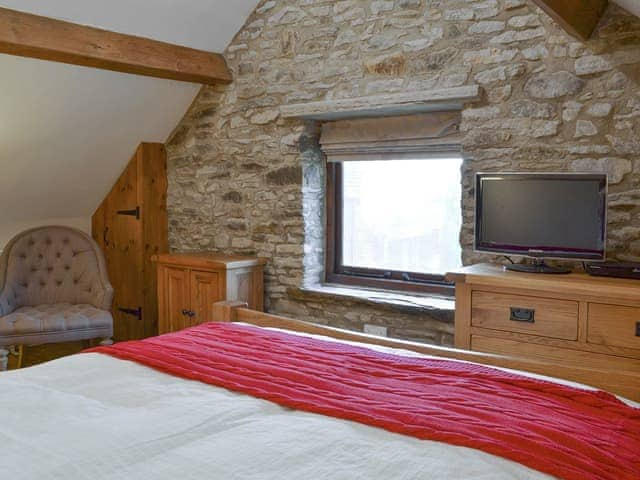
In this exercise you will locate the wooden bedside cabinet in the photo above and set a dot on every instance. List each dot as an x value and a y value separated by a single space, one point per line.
190 283
570 320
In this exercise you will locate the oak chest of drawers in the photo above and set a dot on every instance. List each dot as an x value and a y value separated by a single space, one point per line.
573 320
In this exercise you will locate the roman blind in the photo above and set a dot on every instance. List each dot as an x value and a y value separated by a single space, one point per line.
427 135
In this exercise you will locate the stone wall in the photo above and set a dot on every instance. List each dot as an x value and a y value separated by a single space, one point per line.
243 179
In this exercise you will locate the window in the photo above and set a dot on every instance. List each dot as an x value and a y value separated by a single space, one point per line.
394 223
393 201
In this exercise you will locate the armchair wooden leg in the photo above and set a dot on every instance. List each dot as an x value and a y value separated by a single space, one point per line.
4 359
17 352
106 342
20 356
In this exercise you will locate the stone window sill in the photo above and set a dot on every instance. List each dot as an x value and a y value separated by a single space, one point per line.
413 302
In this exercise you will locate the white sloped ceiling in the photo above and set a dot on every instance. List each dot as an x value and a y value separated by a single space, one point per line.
67 132
632 6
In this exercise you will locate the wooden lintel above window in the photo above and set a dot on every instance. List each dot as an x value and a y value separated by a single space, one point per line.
578 17
34 36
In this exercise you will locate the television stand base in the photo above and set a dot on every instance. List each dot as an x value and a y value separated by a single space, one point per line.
538 266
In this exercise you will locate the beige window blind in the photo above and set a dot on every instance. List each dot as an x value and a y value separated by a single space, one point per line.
421 136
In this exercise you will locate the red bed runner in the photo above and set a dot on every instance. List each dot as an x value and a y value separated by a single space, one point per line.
562 431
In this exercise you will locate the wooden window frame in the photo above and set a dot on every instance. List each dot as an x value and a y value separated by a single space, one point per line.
336 272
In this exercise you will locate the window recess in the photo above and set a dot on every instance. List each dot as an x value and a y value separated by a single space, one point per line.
393 201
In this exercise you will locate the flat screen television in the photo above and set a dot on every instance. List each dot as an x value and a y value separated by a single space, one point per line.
542 215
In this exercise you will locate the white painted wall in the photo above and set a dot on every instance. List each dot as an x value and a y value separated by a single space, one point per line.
632 6
67 132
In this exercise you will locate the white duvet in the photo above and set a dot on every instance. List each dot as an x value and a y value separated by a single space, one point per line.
91 416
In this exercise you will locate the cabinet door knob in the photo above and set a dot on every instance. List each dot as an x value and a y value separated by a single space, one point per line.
192 313
637 329
186 312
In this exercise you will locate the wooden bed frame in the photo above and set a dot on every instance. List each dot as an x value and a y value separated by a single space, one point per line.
623 383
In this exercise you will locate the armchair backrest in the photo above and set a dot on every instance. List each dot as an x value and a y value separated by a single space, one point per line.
48 265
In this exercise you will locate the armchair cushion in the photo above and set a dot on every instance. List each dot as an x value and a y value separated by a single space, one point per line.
61 322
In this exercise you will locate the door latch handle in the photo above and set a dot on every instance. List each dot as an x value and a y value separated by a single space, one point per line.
188 313
526 315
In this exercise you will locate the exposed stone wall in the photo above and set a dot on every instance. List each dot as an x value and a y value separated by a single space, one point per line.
242 179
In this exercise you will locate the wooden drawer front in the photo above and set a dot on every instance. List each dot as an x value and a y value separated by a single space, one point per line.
613 325
521 314
562 356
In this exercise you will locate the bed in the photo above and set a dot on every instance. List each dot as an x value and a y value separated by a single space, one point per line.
97 416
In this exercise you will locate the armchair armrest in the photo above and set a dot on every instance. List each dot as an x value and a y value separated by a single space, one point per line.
105 301
104 298
5 306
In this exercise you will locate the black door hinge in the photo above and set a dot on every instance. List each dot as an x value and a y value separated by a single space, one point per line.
136 312
135 212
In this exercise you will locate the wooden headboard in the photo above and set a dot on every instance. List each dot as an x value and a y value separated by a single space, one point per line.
623 383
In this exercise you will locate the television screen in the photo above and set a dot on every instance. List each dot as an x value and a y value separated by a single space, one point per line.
542 215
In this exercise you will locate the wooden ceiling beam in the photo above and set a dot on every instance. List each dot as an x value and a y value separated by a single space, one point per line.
33 36
578 17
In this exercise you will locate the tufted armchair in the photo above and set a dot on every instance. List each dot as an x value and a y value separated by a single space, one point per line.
53 288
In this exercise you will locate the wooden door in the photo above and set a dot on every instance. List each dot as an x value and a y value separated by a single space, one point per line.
131 226
123 246
175 300
207 288
152 198
99 226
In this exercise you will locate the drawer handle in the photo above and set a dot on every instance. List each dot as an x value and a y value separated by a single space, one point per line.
637 329
527 315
